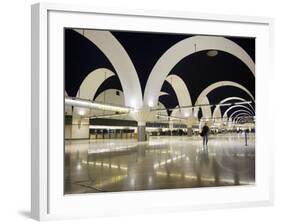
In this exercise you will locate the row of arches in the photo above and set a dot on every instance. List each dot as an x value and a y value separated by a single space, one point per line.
128 76
92 82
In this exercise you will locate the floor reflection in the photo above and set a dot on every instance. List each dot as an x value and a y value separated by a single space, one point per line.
161 163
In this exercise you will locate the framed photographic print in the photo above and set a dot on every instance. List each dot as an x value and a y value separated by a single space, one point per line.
148 111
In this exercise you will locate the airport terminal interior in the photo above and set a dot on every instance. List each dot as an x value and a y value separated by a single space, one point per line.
153 111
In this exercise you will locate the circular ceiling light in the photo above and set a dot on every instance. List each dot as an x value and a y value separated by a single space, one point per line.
212 53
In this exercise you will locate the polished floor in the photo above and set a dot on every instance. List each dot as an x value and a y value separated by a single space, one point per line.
161 163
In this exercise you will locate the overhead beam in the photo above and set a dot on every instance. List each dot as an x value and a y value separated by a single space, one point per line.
202 105
77 102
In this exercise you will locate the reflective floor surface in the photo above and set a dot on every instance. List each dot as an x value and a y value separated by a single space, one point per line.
161 163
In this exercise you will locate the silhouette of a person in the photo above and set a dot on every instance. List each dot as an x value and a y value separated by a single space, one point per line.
204 134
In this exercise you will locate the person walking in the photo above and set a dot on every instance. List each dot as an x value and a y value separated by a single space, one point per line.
204 134
246 132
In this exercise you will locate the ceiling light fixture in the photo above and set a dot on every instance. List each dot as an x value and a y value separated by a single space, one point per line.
212 53
76 102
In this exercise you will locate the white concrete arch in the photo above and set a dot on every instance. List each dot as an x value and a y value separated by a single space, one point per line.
163 93
215 85
110 96
244 113
217 114
235 106
206 110
233 114
238 116
175 112
180 89
239 111
121 62
161 105
183 49
162 112
182 93
92 82
239 119
217 111
247 109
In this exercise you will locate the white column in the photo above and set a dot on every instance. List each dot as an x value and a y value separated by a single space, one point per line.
141 131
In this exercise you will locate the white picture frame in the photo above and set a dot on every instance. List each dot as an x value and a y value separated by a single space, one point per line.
48 201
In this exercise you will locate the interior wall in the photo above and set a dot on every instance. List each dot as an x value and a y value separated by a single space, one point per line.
78 129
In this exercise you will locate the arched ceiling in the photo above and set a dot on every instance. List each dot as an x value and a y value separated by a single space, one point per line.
247 44
223 92
81 58
112 82
145 49
197 70
170 100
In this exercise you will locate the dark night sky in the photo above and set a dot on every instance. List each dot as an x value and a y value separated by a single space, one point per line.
197 70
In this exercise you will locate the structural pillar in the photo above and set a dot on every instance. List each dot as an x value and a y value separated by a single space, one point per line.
189 123
171 126
189 131
141 131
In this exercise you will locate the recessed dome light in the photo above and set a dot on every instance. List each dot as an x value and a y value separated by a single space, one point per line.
212 53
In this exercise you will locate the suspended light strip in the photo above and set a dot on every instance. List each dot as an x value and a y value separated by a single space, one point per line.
224 104
109 115
171 117
179 108
111 127
77 102
203 118
242 103
201 105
